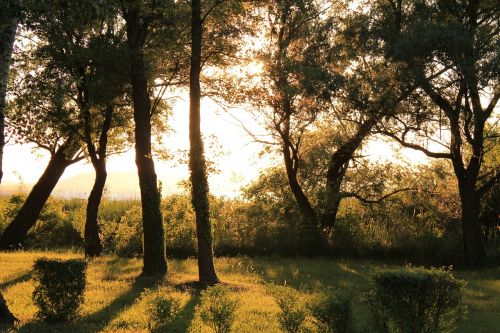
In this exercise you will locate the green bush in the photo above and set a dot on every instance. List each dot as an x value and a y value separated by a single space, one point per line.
59 290
293 313
127 238
332 312
416 300
217 309
162 311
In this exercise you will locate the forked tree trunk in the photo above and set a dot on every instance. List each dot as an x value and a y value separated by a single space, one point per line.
337 167
27 216
155 262
197 164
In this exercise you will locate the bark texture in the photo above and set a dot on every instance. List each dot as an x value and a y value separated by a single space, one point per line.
93 244
197 163
155 262
7 36
27 216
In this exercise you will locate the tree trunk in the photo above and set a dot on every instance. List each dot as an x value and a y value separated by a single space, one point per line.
6 317
474 251
197 164
93 245
7 37
337 167
310 241
27 216
155 262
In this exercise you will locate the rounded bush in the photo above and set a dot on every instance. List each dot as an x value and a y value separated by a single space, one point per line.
59 288
416 300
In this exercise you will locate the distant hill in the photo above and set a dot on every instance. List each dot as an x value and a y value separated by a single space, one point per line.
119 185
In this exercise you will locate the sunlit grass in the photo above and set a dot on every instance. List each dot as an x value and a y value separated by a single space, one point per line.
114 300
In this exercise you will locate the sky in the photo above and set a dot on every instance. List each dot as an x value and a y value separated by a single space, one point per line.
227 143
236 155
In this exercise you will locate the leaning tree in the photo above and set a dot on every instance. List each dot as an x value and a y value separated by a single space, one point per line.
41 113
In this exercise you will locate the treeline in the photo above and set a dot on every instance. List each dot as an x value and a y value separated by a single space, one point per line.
89 79
421 226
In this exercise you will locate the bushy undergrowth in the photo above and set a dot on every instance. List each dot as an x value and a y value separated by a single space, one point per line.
59 288
217 309
162 310
331 311
292 310
419 227
416 300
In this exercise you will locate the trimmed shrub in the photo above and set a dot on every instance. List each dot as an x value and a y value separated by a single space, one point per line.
293 313
416 300
59 290
217 309
332 312
162 311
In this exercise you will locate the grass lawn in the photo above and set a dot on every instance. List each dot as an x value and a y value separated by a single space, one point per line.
113 301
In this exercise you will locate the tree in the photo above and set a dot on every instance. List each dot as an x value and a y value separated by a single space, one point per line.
292 111
8 28
100 90
90 68
138 20
449 50
318 71
197 164
42 114
216 29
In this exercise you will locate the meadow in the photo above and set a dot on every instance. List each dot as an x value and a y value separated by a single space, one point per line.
115 295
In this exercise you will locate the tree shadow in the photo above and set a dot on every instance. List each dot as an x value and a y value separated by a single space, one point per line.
97 321
20 279
186 316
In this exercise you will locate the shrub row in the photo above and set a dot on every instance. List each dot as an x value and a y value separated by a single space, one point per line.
253 227
414 300
410 300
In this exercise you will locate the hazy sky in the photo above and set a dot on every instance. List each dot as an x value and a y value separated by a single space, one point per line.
236 155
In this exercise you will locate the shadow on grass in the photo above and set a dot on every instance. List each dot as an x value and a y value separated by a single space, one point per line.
186 316
97 321
311 274
117 268
20 279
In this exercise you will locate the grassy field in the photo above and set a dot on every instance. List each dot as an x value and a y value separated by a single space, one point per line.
113 301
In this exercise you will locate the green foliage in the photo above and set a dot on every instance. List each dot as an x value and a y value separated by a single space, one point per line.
55 226
54 229
332 311
127 238
179 220
292 311
217 309
162 309
416 300
59 290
